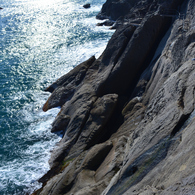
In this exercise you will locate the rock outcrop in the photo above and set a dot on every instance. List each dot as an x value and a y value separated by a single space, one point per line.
128 117
87 5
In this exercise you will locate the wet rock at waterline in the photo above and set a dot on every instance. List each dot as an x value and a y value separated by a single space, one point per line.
106 23
87 5
128 116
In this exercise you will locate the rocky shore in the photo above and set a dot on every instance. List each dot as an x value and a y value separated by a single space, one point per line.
128 116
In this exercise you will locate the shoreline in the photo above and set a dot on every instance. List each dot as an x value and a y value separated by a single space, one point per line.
121 114
33 62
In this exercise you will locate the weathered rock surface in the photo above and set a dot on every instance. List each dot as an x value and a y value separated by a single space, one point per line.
128 117
115 9
63 89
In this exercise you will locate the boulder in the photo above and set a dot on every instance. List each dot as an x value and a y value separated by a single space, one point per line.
87 5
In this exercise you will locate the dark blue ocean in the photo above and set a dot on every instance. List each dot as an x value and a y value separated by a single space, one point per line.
40 40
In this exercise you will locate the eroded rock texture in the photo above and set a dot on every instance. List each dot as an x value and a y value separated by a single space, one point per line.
128 117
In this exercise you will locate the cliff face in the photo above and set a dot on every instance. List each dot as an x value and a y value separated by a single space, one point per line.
128 117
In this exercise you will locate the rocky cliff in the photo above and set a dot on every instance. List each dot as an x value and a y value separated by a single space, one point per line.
128 116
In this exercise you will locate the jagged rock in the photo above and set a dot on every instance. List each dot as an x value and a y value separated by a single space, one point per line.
99 115
167 108
85 128
80 170
64 88
117 44
75 75
130 119
129 64
114 9
94 129
72 132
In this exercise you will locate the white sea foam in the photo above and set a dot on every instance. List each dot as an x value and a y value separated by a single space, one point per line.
34 159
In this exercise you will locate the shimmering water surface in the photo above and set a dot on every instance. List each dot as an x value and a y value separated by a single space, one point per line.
40 40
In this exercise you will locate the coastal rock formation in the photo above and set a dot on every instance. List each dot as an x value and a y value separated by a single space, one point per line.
114 9
128 117
87 5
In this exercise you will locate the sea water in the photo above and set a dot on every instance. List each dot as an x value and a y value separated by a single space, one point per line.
40 40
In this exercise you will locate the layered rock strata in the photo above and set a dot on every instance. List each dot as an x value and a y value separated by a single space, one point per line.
128 117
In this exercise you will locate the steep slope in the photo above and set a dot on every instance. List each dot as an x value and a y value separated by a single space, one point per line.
128 117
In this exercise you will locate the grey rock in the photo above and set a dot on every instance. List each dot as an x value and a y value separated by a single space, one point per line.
60 123
129 120
64 88
94 129
87 5
115 9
